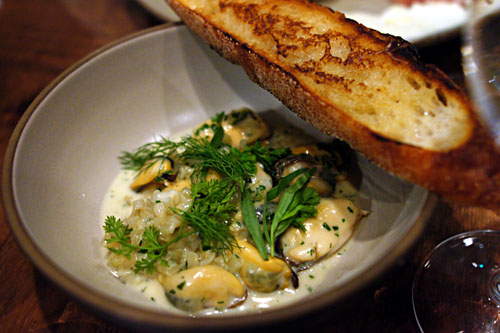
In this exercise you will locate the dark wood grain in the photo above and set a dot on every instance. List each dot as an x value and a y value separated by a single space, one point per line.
41 38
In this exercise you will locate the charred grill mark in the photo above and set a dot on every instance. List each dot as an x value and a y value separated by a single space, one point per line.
329 58
295 27
322 78
263 24
282 49
360 59
384 139
228 35
399 48
328 49
293 37
451 85
305 67
402 50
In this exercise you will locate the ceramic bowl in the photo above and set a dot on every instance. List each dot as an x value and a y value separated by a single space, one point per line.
63 154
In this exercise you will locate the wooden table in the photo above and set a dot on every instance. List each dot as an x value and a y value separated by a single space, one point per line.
41 38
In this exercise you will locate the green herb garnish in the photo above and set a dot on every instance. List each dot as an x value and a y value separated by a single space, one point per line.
199 152
146 155
212 207
228 161
251 221
297 203
267 156
119 233
239 116
211 212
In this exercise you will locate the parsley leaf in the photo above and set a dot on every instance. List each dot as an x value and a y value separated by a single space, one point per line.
118 232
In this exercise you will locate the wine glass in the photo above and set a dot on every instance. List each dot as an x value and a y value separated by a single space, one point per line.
481 61
457 288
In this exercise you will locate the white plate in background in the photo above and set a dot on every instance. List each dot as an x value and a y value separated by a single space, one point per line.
420 24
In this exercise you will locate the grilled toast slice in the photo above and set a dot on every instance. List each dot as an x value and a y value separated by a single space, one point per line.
366 88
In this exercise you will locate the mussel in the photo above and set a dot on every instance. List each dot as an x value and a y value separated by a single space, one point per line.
151 172
324 179
202 287
323 234
243 127
259 274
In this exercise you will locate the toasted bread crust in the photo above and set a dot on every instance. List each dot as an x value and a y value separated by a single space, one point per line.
466 171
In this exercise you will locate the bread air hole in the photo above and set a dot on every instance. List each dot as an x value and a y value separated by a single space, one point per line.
413 83
419 110
441 97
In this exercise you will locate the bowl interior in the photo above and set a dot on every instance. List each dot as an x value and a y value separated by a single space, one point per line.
157 83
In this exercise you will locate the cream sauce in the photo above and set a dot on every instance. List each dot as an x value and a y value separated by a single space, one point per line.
118 202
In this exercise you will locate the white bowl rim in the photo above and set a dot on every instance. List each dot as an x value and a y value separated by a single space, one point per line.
121 311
